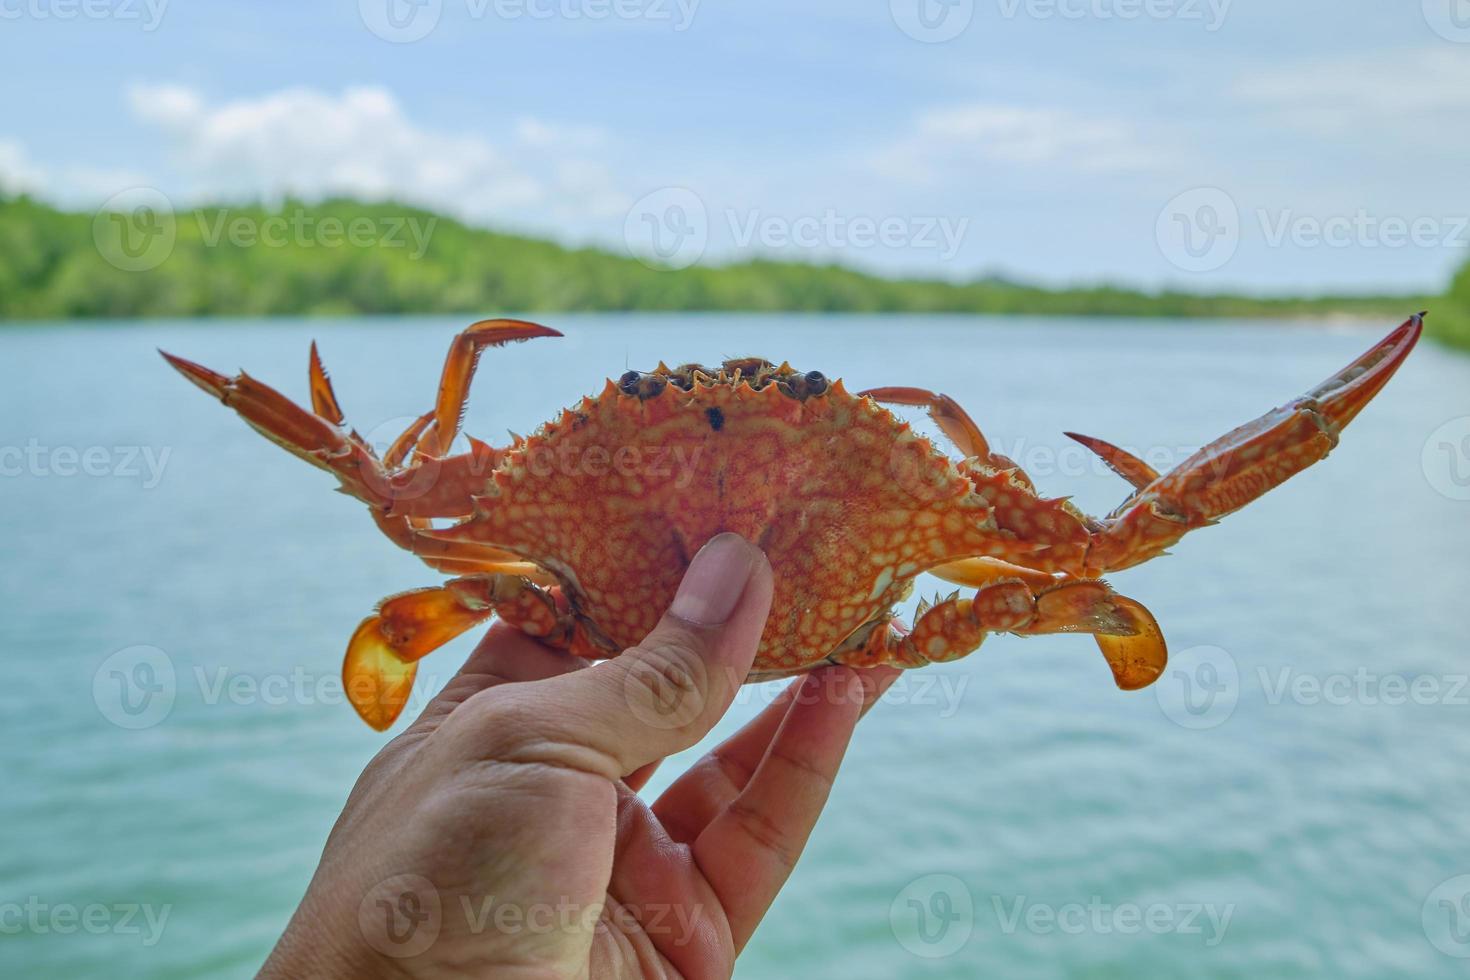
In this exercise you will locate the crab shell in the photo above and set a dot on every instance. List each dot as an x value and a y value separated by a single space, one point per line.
616 496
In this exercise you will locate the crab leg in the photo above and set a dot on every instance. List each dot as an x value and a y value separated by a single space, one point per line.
954 422
399 528
1028 603
323 398
383 654
979 572
1242 465
312 437
1050 530
1137 658
459 370
318 437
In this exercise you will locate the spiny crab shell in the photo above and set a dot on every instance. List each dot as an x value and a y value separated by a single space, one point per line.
610 501
848 503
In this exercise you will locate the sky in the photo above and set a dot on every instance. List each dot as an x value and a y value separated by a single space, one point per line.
1269 146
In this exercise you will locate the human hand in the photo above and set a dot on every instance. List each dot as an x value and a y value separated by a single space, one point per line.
502 834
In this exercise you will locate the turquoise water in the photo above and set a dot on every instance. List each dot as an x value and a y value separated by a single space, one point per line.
1290 800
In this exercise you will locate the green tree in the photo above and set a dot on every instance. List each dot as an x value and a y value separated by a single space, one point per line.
303 258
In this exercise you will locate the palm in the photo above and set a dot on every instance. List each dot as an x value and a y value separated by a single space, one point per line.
677 887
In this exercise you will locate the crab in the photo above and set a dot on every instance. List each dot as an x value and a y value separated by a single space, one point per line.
580 534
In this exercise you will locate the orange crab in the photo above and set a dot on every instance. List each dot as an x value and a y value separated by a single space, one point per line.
610 501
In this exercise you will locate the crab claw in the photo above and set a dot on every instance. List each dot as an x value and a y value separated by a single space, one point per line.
212 382
1126 632
1138 658
415 624
1349 391
377 680
384 651
1120 461
383 654
1242 465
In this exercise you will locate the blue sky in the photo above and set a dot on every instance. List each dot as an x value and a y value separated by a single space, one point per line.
1206 144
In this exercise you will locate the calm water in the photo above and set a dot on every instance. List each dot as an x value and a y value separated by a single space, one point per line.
1290 800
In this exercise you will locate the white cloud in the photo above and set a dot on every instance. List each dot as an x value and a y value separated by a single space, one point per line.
18 172
963 135
1384 95
309 142
172 106
68 185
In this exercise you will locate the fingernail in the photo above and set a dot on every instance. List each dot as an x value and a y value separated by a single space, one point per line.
715 580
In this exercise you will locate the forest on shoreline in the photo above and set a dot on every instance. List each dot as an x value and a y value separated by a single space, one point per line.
346 257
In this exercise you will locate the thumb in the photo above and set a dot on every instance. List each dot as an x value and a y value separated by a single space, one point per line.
665 694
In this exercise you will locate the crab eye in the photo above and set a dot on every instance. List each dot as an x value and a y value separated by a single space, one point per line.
816 382
629 381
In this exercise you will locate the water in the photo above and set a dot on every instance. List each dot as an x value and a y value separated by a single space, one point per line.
1081 831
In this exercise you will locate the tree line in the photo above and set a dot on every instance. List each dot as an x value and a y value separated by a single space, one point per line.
344 257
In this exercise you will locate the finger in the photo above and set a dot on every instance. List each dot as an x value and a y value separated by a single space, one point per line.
696 797
504 655
702 793
653 874
748 851
693 798
638 778
657 698
880 679
507 654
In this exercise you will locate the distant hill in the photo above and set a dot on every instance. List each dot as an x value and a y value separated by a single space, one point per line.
347 257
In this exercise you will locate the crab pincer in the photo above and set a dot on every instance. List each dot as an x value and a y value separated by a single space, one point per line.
1243 464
